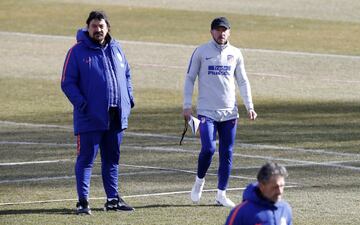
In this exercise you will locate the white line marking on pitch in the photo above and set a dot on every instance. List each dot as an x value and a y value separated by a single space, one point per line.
192 46
183 171
241 145
317 151
35 143
235 154
183 45
253 157
167 149
34 162
11 123
297 77
162 170
292 76
126 196
72 177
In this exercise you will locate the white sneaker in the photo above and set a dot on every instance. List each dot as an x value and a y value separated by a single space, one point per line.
222 200
197 189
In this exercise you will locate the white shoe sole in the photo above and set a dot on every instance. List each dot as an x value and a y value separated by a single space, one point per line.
225 205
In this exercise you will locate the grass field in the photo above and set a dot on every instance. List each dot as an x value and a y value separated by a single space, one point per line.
305 76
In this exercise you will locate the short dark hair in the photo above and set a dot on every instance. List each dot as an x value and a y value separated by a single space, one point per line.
270 169
99 15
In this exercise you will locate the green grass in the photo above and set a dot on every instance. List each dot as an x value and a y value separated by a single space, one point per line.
320 188
296 122
306 111
185 27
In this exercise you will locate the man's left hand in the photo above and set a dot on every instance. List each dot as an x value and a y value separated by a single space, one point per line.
252 114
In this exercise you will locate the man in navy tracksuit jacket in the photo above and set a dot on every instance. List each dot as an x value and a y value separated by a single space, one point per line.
96 79
262 204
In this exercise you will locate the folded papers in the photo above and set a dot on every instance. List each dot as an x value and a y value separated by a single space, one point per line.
194 124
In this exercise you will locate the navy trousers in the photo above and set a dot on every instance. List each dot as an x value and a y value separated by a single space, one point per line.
227 132
88 145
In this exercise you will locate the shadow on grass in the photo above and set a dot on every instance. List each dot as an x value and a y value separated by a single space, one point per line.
63 211
68 211
278 123
302 123
175 206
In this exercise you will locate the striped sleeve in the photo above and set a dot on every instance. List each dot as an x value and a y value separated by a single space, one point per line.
243 83
66 63
192 72
70 80
232 217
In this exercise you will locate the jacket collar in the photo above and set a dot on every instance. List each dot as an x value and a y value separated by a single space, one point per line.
252 193
83 36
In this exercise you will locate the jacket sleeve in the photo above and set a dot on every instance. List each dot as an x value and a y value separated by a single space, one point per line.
234 216
229 218
243 83
129 84
70 82
290 217
192 73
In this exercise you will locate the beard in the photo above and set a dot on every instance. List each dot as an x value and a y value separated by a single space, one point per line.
221 41
98 37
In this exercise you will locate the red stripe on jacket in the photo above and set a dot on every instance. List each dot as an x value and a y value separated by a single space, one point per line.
66 62
78 144
236 212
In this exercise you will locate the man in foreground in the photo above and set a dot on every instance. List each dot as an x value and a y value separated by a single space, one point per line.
262 201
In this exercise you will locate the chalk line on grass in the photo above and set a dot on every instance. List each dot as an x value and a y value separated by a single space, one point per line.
125 196
168 149
182 45
150 135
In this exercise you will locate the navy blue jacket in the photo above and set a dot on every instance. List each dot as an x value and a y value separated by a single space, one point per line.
256 210
85 83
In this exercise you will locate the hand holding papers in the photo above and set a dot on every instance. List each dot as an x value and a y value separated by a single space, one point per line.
194 125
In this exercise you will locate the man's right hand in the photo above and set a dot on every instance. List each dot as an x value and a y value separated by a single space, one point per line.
187 114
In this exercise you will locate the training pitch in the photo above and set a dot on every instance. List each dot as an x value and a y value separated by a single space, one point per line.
306 93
